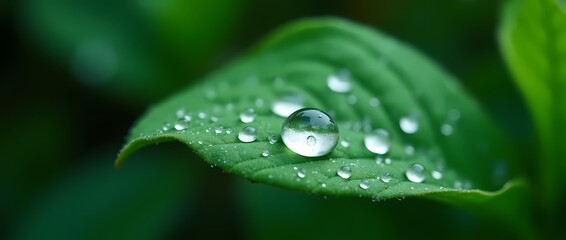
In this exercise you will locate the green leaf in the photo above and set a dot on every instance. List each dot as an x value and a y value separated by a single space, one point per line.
533 42
298 60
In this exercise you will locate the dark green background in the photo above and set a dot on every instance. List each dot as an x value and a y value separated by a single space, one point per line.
61 133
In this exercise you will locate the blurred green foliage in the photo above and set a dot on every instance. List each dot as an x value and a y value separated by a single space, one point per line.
67 104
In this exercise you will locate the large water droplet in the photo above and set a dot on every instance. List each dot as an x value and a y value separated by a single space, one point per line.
364 184
378 141
310 132
344 172
248 115
415 173
409 124
341 82
247 134
287 104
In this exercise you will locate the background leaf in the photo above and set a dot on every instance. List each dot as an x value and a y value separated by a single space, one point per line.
533 42
298 59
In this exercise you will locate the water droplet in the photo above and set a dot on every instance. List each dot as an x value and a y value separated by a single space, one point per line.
378 141
436 174
344 172
386 177
341 82
374 102
415 173
248 115
287 104
309 135
409 125
228 131
344 143
265 153
453 115
301 173
181 125
458 184
379 160
352 99
272 139
202 115
180 112
247 134
446 129
218 130
259 103
364 184
323 185
388 161
166 127
214 119
410 150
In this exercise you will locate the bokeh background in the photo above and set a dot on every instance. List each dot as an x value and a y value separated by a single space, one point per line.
78 73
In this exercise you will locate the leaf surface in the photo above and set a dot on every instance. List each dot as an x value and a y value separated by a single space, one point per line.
390 81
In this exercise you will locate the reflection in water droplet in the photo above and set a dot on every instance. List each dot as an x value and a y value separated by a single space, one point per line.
344 172
309 135
247 134
248 115
340 82
409 125
378 141
415 173
287 104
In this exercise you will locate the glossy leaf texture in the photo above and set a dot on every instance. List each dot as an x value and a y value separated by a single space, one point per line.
389 81
533 42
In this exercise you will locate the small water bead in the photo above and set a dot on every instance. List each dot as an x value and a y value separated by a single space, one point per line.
247 134
202 115
410 150
214 119
323 185
458 184
409 125
364 184
265 153
374 102
341 82
344 172
454 115
378 141
218 130
181 125
166 126
287 104
388 161
301 173
415 173
446 129
259 103
436 174
272 139
310 132
352 99
248 115
386 177
228 131
379 160
344 143
180 112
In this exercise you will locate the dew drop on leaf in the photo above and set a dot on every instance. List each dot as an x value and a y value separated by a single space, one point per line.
374 102
378 141
340 82
364 184
287 104
181 125
248 115
386 177
247 134
436 174
446 129
310 132
272 139
344 172
415 173
409 125
265 153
